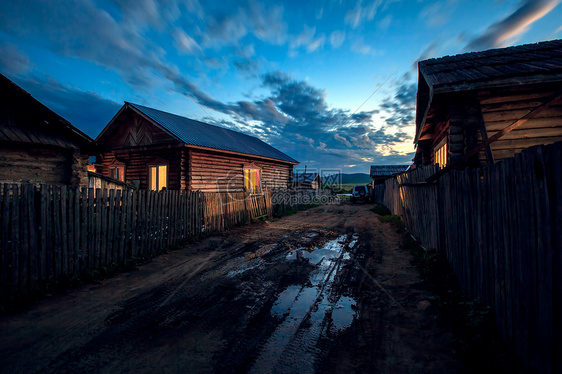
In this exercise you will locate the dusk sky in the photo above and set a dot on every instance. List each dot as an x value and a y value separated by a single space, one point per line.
330 83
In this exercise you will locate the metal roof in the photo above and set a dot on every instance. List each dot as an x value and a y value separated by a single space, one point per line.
494 64
383 170
202 134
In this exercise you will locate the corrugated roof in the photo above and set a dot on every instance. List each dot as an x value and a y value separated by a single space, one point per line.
524 60
382 170
202 134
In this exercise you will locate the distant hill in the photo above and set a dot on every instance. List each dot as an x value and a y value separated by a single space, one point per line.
355 178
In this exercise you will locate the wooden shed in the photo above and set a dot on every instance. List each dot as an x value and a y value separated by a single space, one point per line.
476 108
36 144
307 181
380 173
153 149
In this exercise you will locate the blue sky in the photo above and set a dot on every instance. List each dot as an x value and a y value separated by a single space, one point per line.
330 83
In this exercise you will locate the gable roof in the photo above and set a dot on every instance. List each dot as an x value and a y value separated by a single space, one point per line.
200 134
501 67
383 170
24 119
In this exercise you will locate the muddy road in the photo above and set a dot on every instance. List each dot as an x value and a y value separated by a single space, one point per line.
325 290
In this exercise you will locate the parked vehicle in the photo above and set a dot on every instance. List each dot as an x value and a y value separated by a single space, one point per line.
359 193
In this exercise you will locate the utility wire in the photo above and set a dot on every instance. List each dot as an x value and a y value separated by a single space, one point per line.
373 93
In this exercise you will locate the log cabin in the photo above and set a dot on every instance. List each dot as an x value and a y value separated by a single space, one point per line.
36 144
307 181
154 150
474 109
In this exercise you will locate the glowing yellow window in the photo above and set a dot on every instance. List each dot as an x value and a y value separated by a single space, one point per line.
252 179
441 153
158 177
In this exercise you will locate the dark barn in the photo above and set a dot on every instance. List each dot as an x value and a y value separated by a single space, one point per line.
36 144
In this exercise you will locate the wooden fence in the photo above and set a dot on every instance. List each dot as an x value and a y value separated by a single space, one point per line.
49 232
501 229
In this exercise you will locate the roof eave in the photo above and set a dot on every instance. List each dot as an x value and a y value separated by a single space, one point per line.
240 154
498 83
430 93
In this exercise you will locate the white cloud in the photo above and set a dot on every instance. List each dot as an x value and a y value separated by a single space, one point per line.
361 14
308 39
185 43
337 38
385 22
505 31
342 140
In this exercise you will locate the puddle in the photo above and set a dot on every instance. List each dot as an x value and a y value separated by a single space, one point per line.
244 267
323 255
285 300
307 313
343 313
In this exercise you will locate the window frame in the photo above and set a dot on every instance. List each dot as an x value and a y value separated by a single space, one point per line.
158 167
247 171
114 172
441 153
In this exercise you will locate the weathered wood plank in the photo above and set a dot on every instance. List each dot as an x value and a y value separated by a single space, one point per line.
76 229
111 247
84 234
134 223
121 202
64 230
97 228
5 248
57 232
103 227
91 229
544 249
24 238
14 271
117 228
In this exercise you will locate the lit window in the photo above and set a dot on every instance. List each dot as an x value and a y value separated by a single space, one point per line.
158 177
252 179
117 172
441 153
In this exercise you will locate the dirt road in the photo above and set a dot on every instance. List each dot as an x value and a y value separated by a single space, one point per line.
325 290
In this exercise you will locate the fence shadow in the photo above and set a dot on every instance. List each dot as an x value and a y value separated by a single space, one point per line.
501 229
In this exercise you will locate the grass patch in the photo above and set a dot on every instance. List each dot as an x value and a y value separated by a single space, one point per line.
390 218
381 210
386 215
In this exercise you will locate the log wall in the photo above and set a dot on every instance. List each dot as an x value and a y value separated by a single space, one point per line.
137 161
213 172
30 163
